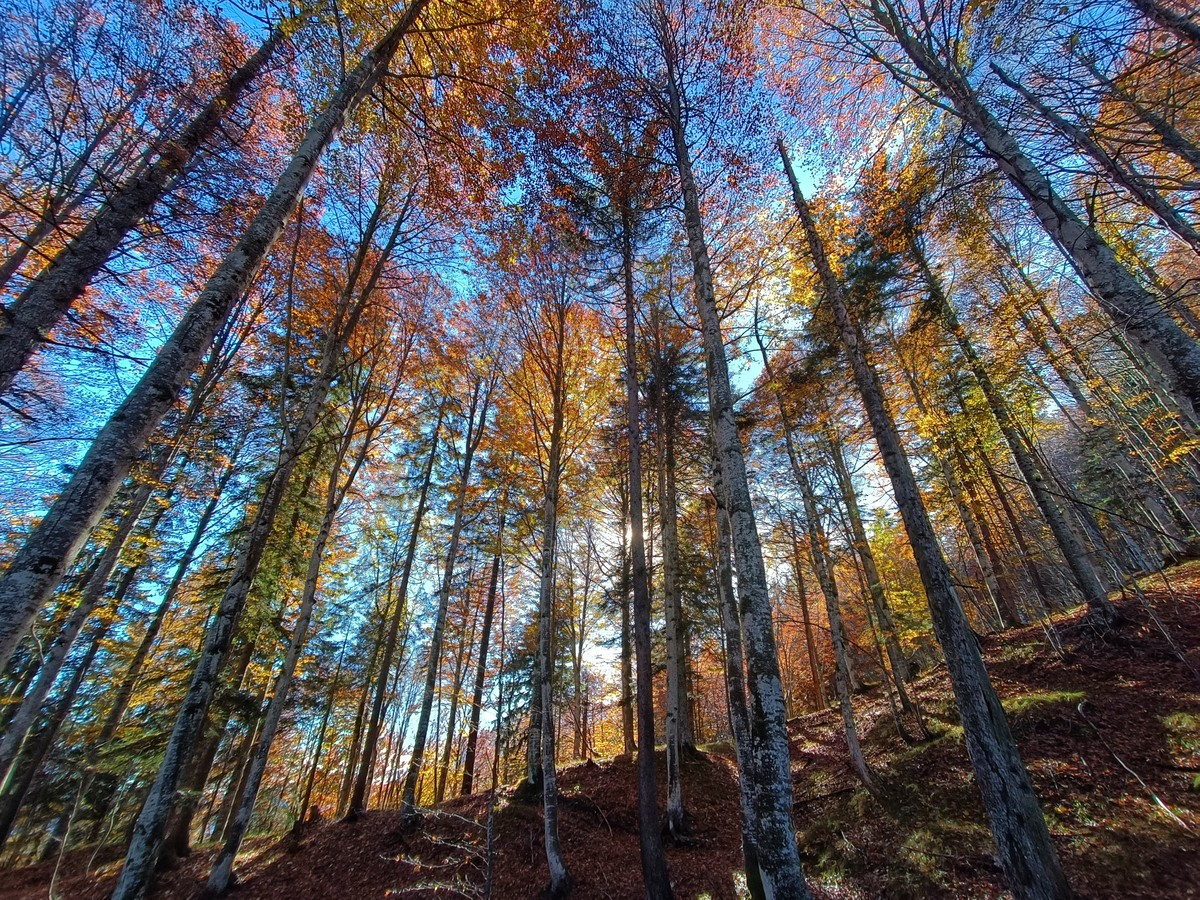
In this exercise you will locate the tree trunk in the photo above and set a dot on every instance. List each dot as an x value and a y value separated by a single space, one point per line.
489 611
367 763
626 600
146 842
1026 853
655 876
44 740
875 591
560 879
38 566
735 691
48 296
776 838
677 701
817 546
820 701
474 432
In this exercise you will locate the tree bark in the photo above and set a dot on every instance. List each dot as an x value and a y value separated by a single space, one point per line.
38 566
1026 853
560 879
735 690
489 611
677 700
480 396
655 876
48 296
778 854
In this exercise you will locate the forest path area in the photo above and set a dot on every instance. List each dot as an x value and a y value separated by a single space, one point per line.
1109 729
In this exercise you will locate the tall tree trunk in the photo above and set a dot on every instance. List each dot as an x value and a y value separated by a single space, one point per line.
820 701
221 875
38 566
133 673
626 600
655 876
776 838
677 701
1133 309
1027 855
480 396
560 879
464 660
952 464
875 592
735 690
489 611
48 296
147 839
366 765
818 546
303 809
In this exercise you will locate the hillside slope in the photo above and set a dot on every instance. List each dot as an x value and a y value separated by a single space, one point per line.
1110 731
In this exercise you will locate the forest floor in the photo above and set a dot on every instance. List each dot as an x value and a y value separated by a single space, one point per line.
1110 732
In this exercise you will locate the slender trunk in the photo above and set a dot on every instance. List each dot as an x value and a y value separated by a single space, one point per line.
147 840
626 600
1026 853
352 758
479 404
735 693
776 839
875 592
48 296
560 879
673 613
1133 309
56 658
655 876
38 566
952 463
133 673
303 811
489 610
818 545
366 766
461 664
820 701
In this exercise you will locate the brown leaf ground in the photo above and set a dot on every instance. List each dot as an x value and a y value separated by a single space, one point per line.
1119 781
